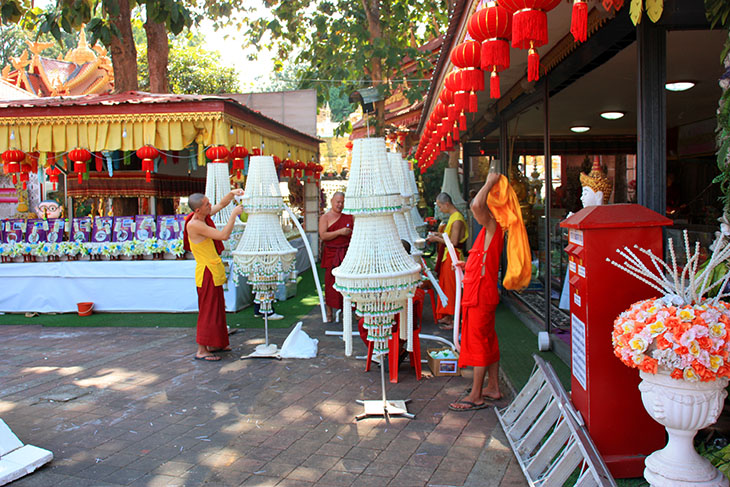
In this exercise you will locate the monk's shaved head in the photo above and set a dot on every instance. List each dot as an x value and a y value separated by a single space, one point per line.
195 200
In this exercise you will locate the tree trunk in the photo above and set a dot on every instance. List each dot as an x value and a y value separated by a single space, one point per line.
123 52
372 12
158 51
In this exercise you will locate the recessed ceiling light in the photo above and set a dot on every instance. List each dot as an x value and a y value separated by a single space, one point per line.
580 129
679 85
612 115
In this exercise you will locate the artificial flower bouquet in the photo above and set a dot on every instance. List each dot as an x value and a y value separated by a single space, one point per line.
153 246
683 332
175 247
690 340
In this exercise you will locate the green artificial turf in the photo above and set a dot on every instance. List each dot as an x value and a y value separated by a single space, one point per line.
517 344
293 309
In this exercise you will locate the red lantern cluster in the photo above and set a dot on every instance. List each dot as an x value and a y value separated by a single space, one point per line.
238 154
288 166
12 159
218 154
313 171
79 157
148 154
467 56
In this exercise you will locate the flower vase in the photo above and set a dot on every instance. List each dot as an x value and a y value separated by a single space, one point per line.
683 407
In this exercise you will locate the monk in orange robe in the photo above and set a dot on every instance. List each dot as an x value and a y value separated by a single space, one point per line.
335 230
205 242
458 234
479 345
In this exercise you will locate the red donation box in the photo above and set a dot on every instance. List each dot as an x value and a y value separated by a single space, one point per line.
603 389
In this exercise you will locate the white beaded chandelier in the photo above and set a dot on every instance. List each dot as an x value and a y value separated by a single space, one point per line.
217 185
377 274
263 255
402 217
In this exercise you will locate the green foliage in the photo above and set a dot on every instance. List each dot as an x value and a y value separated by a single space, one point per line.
339 102
192 69
718 13
432 180
336 43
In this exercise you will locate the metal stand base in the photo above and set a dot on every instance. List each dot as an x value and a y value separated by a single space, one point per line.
383 407
390 408
264 351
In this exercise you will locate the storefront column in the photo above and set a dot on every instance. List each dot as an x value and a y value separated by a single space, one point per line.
547 203
651 151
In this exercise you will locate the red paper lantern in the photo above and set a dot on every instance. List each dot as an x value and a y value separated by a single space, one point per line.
25 170
256 151
53 172
148 154
288 165
12 159
300 166
238 154
79 157
492 26
529 29
579 20
467 56
217 154
348 146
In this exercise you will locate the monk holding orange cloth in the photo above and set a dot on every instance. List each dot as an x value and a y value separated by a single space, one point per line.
458 233
497 209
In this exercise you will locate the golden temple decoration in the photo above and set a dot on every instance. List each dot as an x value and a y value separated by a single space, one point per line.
597 181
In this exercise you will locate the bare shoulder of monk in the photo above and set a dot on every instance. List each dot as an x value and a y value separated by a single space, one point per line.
195 230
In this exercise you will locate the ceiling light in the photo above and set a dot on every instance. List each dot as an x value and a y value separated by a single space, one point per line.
579 129
612 115
679 85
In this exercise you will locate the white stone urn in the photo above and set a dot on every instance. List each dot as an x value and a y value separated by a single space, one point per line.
682 407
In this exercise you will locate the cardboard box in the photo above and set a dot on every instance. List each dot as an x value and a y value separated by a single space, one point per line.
443 367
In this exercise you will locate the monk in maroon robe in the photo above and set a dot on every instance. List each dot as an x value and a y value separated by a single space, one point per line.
335 230
206 243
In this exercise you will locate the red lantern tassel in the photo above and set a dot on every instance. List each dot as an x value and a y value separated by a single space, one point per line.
80 176
579 21
15 179
533 65
473 103
148 176
25 185
494 85
97 160
456 134
462 121
442 145
164 158
495 54
461 99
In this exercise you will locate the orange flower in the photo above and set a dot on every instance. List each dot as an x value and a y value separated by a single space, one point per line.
662 343
705 343
704 374
677 374
649 365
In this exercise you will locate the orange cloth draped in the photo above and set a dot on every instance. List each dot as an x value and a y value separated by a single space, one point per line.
479 343
447 281
505 207
333 253
211 330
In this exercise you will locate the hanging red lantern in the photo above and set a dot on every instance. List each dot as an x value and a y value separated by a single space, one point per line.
79 157
148 154
288 165
318 171
348 146
299 169
579 20
467 56
25 170
492 26
256 151
529 29
217 154
12 159
238 154
53 172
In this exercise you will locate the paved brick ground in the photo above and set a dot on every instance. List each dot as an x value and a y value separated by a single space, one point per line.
145 413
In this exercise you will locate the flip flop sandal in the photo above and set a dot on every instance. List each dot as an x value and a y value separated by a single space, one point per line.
208 358
472 406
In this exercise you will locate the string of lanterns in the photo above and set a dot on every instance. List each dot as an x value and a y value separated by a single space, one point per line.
19 164
492 29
